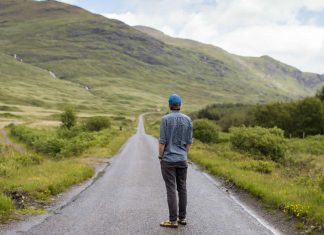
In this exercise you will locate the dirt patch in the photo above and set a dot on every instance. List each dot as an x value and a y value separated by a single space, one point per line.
6 140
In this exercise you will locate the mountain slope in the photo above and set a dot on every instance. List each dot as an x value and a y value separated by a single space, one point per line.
265 66
133 71
25 84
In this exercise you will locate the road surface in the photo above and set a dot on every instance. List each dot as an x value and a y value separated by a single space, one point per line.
130 198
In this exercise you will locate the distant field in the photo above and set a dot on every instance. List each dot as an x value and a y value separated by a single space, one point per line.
295 186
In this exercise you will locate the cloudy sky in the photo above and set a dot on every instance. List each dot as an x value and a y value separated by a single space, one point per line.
291 31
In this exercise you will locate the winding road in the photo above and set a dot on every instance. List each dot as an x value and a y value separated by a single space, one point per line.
130 198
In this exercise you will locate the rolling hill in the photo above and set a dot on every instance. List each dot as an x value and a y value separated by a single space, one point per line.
105 65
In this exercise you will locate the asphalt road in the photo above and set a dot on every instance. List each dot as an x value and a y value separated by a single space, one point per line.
130 198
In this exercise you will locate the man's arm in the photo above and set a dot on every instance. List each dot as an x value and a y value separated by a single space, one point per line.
162 140
189 140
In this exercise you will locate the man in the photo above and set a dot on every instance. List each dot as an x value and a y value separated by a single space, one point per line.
174 144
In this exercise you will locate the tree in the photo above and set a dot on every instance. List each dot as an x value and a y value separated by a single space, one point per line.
309 117
320 94
68 118
276 115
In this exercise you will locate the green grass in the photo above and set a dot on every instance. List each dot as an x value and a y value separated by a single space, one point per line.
6 206
35 178
295 185
276 187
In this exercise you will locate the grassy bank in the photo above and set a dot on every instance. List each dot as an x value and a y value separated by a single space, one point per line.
50 160
295 185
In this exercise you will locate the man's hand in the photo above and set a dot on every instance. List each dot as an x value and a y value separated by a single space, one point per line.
188 147
161 151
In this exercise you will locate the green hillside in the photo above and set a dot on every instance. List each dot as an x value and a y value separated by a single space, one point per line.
25 84
281 76
125 70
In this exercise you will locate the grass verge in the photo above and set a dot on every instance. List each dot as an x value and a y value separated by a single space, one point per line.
54 160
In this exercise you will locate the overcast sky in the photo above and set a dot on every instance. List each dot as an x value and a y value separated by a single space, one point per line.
291 31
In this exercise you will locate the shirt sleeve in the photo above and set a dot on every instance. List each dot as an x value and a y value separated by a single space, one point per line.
162 139
189 139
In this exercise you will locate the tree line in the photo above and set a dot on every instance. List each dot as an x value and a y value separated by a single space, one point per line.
297 118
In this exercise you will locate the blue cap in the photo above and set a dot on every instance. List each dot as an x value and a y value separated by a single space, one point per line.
175 100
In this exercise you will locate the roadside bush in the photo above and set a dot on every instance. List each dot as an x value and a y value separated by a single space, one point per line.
65 133
77 145
27 135
63 142
206 131
50 146
259 141
97 123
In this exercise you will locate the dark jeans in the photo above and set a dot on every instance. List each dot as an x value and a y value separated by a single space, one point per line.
175 177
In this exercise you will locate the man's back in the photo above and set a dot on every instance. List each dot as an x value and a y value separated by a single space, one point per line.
175 134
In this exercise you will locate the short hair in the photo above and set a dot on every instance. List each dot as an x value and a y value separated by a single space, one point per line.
175 107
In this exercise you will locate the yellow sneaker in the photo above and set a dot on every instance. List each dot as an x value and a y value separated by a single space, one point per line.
169 224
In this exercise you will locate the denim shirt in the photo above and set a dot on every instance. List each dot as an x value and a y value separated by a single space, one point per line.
175 134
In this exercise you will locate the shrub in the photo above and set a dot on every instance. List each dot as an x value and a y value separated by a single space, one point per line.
26 134
206 131
97 123
68 118
65 133
77 145
49 146
257 140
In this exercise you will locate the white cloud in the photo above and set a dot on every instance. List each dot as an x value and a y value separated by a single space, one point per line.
245 27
